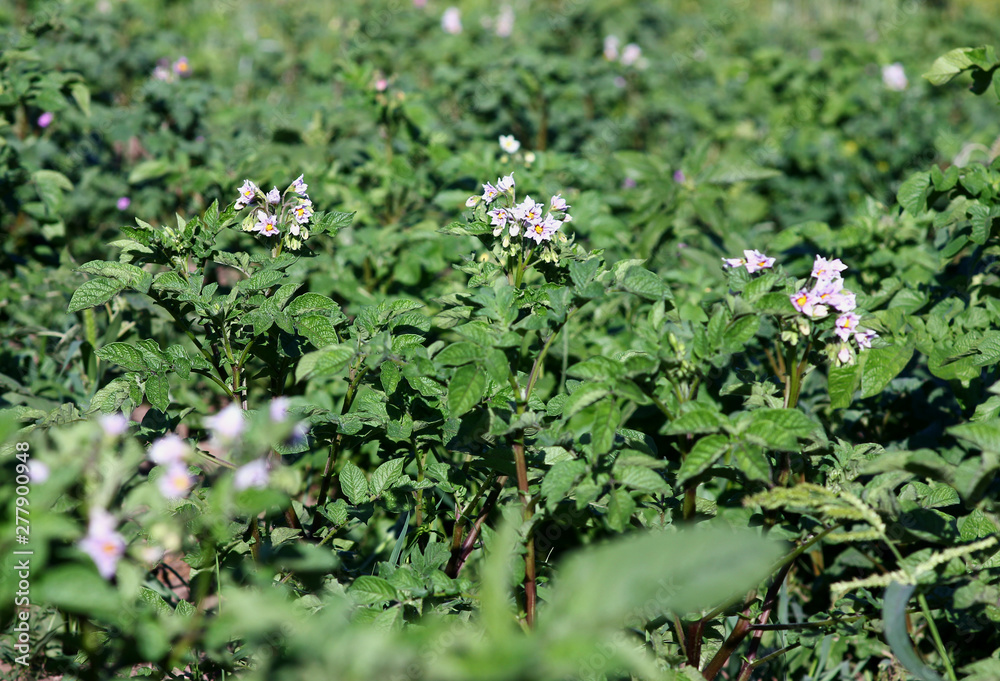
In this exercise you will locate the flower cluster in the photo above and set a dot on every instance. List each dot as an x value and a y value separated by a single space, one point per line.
168 72
280 215
825 295
170 451
828 293
754 261
630 55
528 218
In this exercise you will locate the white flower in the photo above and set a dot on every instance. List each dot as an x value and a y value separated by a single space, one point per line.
509 144
894 77
451 21
253 474
273 197
169 449
228 424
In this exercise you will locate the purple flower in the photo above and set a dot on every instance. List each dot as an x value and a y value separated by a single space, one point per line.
894 77
757 261
37 471
113 425
807 303
631 54
733 262
558 203
505 22
628 183
253 474
824 270
864 337
273 197
123 203
679 177
302 211
248 194
611 48
266 224
528 211
844 354
299 187
489 193
169 449
45 119
182 68
846 325
279 409
175 482
102 543
506 184
451 21
228 424
500 218
543 230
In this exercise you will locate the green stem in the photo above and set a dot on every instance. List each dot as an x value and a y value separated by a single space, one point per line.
357 373
942 651
536 368
221 384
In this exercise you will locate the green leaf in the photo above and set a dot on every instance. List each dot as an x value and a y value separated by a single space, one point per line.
466 389
93 293
130 275
78 589
389 376
641 478
125 356
354 484
646 284
157 391
842 383
702 456
583 397
111 397
952 63
894 615
752 462
336 512
698 420
597 368
367 590
559 480
985 435
150 170
621 506
458 354
605 424
261 280
329 360
913 193
881 366
311 302
658 572
385 475
50 186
